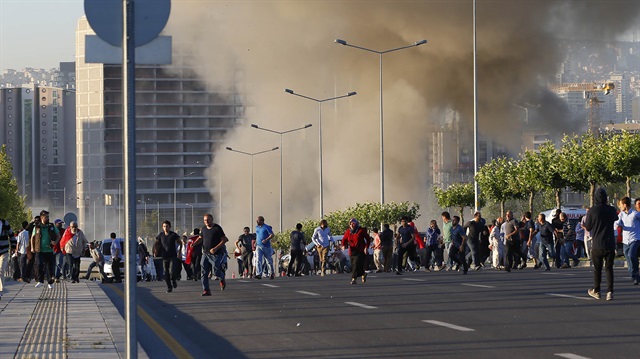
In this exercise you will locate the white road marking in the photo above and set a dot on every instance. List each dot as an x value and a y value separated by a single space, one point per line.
477 285
570 356
307 293
271 286
567 296
414 279
549 273
361 305
450 326
244 281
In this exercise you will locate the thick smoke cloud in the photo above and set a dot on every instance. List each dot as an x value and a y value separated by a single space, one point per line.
259 48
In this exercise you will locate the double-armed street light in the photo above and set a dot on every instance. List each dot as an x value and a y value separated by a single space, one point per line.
380 53
252 154
175 196
281 133
320 101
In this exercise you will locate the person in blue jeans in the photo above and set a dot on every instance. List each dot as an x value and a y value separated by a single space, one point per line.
569 236
264 234
629 221
214 253
545 230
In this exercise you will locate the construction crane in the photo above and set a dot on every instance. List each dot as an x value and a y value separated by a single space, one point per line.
590 93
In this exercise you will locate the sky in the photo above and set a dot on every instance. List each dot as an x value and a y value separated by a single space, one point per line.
38 33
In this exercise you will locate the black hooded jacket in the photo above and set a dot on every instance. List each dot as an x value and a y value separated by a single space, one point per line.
599 222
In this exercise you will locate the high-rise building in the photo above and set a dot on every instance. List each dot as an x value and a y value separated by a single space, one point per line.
38 125
178 125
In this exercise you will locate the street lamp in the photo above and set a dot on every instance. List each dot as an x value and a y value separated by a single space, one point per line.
320 134
252 155
192 223
175 195
380 53
281 133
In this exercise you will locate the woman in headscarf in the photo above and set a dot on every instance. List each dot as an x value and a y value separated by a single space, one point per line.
357 240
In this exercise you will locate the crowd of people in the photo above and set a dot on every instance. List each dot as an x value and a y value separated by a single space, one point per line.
44 251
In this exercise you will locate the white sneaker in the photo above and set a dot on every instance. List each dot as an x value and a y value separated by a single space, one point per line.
38 285
50 286
609 296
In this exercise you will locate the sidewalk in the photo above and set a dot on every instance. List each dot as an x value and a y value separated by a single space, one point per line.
69 321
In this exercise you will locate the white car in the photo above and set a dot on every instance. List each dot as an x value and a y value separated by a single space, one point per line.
106 252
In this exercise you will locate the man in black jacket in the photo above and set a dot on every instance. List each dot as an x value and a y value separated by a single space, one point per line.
599 223
169 240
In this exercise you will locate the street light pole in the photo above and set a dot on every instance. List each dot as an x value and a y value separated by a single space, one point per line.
319 101
175 196
192 223
251 155
380 53
281 133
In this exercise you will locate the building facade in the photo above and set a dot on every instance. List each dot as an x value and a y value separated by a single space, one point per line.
178 126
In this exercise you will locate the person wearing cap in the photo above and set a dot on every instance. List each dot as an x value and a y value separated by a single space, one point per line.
74 247
357 240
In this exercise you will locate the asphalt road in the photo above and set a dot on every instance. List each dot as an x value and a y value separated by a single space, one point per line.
485 314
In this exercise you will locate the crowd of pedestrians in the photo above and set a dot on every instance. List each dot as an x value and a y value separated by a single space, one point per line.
46 251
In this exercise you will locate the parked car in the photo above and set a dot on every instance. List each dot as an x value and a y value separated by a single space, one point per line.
106 252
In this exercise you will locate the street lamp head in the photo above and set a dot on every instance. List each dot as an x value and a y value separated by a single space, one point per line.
352 93
230 149
308 125
275 148
421 42
288 91
341 42
254 125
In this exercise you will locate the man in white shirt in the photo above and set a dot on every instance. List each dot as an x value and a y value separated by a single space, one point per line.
321 238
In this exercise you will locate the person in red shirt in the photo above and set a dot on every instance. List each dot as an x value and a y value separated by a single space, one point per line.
421 250
357 240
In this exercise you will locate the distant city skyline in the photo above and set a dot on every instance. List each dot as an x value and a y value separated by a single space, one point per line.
38 33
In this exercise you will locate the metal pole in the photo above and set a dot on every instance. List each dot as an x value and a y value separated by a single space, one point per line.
220 201
280 183
129 107
192 222
94 219
381 139
105 233
475 112
64 201
158 216
175 196
251 219
320 151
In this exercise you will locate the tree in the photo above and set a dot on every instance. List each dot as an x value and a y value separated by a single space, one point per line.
13 206
369 215
457 195
498 180
551 172
584 163
530 175
624 157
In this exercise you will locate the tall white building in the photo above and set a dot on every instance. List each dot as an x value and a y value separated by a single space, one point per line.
37 125
178 124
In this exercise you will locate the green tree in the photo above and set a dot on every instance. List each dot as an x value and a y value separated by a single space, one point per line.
530 175
624 157
498 181
552 177
457 195
13 206
369 215
584 163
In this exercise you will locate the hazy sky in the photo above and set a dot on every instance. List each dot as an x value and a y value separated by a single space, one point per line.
38 33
